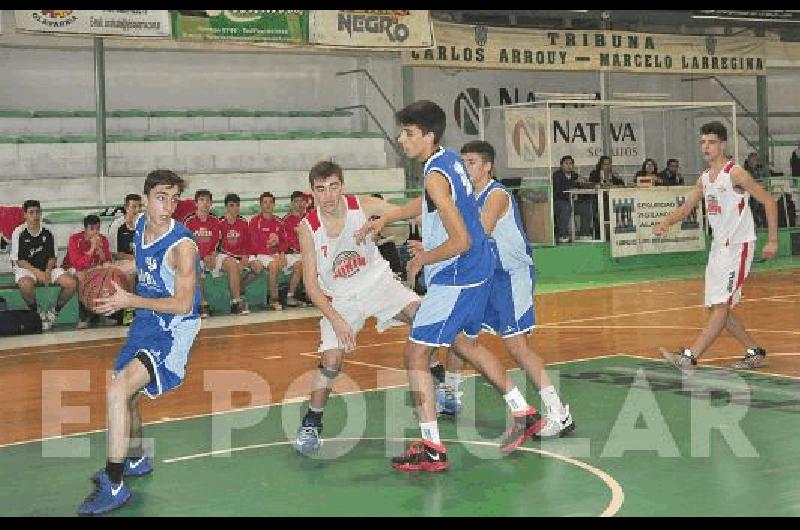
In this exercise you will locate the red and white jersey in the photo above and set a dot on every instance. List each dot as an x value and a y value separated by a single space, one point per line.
345 269
206 232
728 210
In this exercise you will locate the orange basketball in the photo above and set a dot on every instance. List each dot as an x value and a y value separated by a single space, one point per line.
97 284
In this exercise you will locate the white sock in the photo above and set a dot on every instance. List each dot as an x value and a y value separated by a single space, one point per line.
430 432
551 400
453 380
516 402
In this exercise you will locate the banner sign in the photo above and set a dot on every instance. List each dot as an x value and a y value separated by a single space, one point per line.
635 212
122 23
464 46
372 29
571 131
290 27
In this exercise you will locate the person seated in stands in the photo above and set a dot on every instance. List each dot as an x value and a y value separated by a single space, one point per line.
755 167
234 252
648 175
33 260
86 250
185 208
120 240
206 231
294 264
268 247
603 173
565 178
670 176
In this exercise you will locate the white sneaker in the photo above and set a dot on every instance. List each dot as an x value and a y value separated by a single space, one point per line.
48 318
556 425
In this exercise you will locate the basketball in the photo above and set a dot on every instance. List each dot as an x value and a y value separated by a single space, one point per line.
96 283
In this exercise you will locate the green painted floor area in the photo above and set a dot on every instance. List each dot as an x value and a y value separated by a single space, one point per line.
722 443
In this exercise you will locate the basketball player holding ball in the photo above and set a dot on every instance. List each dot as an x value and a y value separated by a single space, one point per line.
153 359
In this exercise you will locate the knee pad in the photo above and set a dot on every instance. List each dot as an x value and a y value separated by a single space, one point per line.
327 373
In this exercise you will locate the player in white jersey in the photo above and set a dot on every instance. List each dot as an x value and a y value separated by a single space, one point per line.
510 312
348 281
726 188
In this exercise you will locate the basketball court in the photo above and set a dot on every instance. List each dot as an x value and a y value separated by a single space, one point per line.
647 442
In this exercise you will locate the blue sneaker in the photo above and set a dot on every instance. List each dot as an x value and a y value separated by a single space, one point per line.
133 468
447 401
308 441
106 496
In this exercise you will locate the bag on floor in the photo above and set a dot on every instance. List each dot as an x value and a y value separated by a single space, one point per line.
19 322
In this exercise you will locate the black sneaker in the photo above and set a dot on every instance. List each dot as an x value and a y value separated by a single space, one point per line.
525 425
438 374
236 308
422 455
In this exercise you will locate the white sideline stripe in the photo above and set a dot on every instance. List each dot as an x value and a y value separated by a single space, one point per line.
617 493
360 363
756 371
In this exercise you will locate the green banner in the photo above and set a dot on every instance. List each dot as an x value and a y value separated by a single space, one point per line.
252 25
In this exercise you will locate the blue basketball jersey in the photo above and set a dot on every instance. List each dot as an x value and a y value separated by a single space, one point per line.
508 237
474 265
155 278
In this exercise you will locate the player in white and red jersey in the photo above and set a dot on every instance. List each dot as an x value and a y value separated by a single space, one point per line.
234 251
726 188
348 281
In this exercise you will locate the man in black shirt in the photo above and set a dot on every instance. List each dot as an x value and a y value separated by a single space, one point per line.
670 176
33 256
120 233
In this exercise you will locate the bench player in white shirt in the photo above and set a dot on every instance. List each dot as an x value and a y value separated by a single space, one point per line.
726 188
347 281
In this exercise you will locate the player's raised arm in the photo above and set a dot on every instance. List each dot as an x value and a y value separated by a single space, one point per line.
387 214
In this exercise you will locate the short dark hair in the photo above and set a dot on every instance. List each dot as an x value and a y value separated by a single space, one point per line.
671 160
266 194
164 177
203 193
715 127
566 157
132 197
426 115
91 220
296 194
479 147
324 169
232 197
31 203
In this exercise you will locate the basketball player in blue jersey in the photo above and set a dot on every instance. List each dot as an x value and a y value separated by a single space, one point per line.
458 267
153 359
510 312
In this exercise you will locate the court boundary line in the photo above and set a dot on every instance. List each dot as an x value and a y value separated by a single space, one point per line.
617 493
759 372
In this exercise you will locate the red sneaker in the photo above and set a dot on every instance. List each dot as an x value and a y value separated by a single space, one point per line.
422 455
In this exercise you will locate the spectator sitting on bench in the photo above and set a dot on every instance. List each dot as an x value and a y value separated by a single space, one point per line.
294 262
120 240
206 231
86 250
234 251
268 247
33 257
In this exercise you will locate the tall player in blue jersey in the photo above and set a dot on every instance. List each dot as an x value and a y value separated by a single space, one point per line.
510 312
153 359
458 267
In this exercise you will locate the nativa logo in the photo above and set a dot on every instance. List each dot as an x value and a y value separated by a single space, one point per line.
467 105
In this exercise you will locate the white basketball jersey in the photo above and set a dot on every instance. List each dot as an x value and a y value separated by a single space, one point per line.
346 269
728 210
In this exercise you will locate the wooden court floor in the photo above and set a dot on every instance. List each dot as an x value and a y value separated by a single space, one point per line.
260 364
